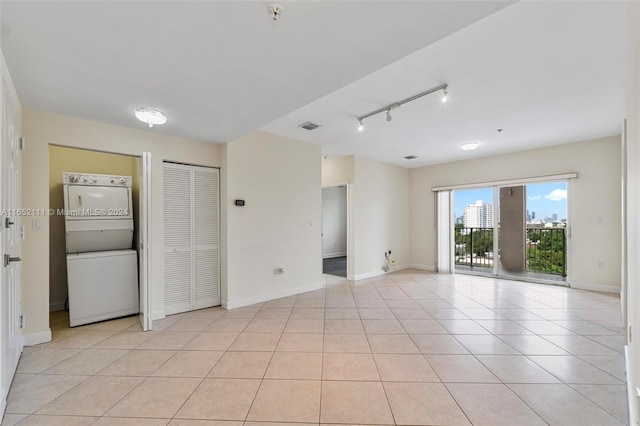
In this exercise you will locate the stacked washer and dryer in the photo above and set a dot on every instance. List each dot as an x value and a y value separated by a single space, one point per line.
102 268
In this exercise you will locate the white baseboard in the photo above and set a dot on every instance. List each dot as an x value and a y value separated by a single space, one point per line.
36 338
430 268
376 273
158 315
595 287
330 255
56 306
239 303
631 395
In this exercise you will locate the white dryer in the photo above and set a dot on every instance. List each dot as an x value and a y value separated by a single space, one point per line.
102 270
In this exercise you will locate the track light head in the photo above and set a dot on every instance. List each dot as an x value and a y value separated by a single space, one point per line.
445 96
360 125
389 118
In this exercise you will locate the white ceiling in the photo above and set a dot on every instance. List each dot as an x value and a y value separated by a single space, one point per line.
545 72
220 69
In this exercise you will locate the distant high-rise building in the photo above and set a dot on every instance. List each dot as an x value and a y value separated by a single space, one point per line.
528 216
478 215
533 215
554 217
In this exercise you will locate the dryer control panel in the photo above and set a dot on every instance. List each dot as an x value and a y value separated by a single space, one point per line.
95 180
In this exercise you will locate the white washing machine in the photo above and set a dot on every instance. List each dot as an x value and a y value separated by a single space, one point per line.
102 269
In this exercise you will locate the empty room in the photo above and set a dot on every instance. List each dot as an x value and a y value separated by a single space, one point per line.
320 212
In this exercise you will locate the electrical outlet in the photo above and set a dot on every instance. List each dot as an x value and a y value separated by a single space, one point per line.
393 262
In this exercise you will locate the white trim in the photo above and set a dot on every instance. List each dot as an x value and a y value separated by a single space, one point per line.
57 306
3 404
549 178
158 315
233 304
595 287
36 338
430 268
332 255
633 409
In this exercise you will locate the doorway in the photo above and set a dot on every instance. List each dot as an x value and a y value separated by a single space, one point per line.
334 230
134 169
513 231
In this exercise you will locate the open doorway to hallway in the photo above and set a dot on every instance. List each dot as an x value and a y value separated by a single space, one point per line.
517 231
334 230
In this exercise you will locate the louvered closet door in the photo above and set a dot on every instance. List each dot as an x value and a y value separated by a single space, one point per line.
192 237
206 217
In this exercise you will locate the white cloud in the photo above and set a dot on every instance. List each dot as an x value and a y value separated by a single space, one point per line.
557 195
534 198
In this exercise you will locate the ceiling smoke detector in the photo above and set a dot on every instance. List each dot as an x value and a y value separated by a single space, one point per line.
309 125
275 10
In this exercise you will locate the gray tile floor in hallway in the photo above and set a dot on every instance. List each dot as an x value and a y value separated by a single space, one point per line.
408 348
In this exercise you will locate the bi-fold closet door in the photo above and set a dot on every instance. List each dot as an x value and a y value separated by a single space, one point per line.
191 237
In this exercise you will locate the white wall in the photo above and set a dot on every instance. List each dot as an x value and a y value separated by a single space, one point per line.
594 194
334 221
41 129
380 216
280 224
633 207
337 170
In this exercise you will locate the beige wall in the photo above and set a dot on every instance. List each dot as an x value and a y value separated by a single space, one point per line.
594 194
42 129
380 216
280 225
337 170
62 159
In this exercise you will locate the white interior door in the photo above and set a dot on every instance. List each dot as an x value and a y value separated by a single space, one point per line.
144 246
11 241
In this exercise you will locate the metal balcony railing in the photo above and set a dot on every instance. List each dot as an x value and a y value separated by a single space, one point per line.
545 249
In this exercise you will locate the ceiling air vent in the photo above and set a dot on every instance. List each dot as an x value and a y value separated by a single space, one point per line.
309 125
410 157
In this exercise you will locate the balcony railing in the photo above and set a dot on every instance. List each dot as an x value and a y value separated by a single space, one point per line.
545 249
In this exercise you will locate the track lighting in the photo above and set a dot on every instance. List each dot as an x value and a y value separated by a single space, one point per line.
394 105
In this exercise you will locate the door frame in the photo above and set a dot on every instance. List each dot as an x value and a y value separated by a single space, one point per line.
147 289
350 266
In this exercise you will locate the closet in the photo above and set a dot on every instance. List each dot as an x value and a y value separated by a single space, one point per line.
191 237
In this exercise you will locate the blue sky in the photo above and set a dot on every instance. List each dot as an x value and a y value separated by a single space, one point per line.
542 198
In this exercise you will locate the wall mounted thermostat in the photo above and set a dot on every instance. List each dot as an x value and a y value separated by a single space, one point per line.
240 203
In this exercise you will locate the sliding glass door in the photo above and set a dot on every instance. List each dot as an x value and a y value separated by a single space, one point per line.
517 231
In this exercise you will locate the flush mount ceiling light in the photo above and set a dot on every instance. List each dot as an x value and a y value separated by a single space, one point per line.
394 105
151 116
469 146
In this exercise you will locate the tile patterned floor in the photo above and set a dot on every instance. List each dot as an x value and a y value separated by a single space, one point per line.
409 348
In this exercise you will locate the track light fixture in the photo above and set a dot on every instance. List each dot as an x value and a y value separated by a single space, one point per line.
394 105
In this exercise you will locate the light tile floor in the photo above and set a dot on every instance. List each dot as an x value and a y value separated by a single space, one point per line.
409 348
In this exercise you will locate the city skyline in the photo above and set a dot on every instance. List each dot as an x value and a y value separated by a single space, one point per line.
545 199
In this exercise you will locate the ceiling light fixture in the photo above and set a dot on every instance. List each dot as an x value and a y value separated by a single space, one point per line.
394 105
150 116
469 146
445 96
